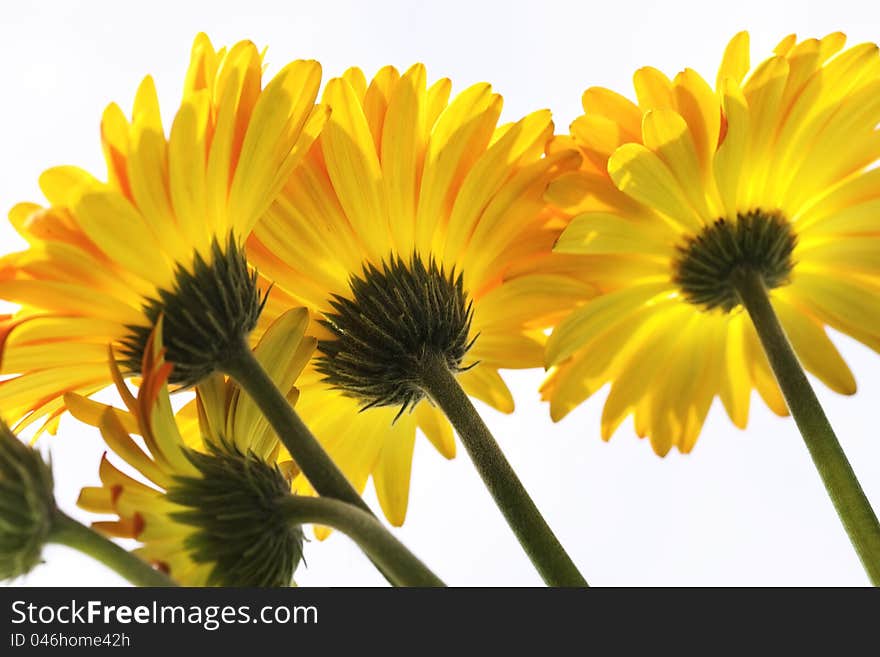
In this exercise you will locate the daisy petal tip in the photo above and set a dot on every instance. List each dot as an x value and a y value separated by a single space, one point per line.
660 450
558 411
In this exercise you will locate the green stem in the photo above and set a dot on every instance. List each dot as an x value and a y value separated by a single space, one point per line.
533 532
316 465
400 566
323 474
69 532
840 481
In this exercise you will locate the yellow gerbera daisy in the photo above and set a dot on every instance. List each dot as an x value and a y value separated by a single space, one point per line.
414 225
208 474
770 173
162 236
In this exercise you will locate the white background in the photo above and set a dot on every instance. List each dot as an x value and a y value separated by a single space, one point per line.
745 508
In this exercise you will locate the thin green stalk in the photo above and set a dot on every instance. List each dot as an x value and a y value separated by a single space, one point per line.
533 532
400 566
323 474
840 481
67 531
316 465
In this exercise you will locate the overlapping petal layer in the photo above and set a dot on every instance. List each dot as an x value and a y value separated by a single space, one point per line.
220 417
100 250
402 170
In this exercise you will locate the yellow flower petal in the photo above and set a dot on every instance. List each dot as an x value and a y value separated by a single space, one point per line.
760 372
697 104
763 93
654 89
119 441
354 167
274 132
70 298
90 412
596 316
729 161
612 105
375 100
436 428
402 152
392 473
643 176
735 63
814 348
136 248
187 177
462 130
598 232
842 303
735 390
666 133
487 385
632 384
282 360
63 185
489 172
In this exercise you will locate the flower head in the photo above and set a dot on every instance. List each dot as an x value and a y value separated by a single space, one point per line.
27 505
162 237
396 317
415 225
202 505
770 172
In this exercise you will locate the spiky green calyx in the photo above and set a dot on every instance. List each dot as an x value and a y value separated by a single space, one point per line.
758 241
232 508
399 316
210 310
27 505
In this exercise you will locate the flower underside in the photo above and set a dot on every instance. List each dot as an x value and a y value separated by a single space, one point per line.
708 262
233 508
206 315
400 316
27 504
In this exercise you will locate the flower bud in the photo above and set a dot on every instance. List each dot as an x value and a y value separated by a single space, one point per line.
232 508
27 505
